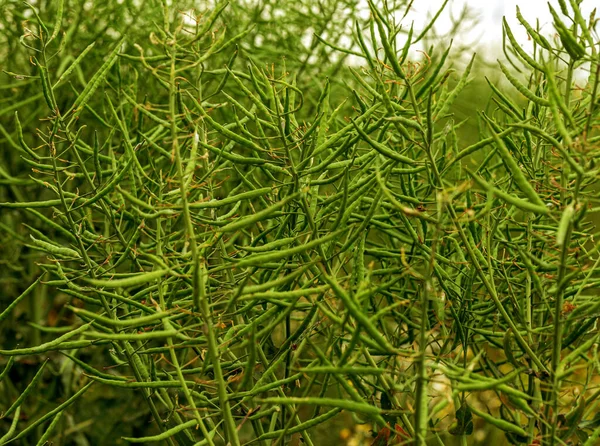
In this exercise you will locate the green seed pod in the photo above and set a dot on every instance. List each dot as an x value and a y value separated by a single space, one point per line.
573 47
564 225
55 250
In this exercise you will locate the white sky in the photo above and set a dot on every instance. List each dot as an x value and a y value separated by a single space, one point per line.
490 12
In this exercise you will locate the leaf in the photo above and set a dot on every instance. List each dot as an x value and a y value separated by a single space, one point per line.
382 438
591 424
516 439
385 401
464 422
401 435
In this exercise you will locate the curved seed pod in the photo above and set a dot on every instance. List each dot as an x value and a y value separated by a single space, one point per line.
331 402
515 170
302 427
49 430
55 250
13 427
389 51
443 105
259 216
433 75
46 89
564 225
53 412
57 21
539 39
383 149
511 199
7 311
164 435
573 47
63 77
522 88
96 80
499 423
520 51
17 403
135 280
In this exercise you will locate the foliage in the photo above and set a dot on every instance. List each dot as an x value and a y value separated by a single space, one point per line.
225 234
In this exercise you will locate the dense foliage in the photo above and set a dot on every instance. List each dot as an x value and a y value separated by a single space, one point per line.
248 222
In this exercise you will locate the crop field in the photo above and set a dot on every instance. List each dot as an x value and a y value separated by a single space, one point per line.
308 222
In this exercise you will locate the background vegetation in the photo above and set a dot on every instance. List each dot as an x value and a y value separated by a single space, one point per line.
276 222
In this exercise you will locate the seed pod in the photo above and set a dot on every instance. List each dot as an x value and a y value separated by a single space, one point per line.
55 250
26 392
96 80
564 225
573 47
504 425
135 280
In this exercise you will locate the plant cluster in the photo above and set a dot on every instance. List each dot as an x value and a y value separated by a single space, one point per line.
254 239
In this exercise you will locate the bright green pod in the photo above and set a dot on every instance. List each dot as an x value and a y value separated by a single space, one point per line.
387 48
13 427
363 46
513 168
522 88
91 370
302 427
537 37
56 344
45 438
508 352
110 186
21 140
433 75
247 93
96 80
248 377
555 143
271 246
145 111
520 51
232 199
64 76
46 89
164 435
57 21
353 406
133 322
443 105
383 149
499 423
564 225
431 22
573 47
243 222
357 313
478 146
134 280
511 199
558 105
279 296
333 139
58 251
585 29
158 334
